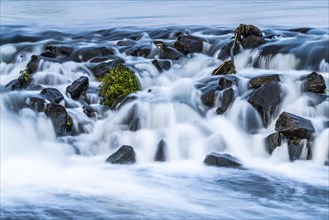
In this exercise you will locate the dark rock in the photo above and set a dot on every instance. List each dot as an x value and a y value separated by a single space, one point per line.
77 87
87 54
160 154
161 65
208 98
52 94
252 42
139 52
33 86
14 85
167 53
89 111
270 49
59 50
294 126
103 68
221 160
314 82
326 163
36 103
265 100
263 80
227 81
49 54
125 155
132 121
121 102
32 65
246 30
124 43
295 148
225 51
135 36
226 100
226 68
189 44
272 141
59 118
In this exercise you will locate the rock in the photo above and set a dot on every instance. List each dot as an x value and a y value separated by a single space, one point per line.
225 51
315 83
294 126
326 163
263 80
226 68
227 81
167 53
272 141
33 64
86 54
89 111
221 160
14 85
246 30
59 50
295 148
48 54
132 121
125 155
60 119
252 42
135 36
226 100
77 87
52 94
189 44
103 68
139 52
161 65
36 103
160 154
124 43
208 98
33 86
22 82
266 100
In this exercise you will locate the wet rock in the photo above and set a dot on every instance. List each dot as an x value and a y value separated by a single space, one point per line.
77 87
189 44
59 50
103 68
326 163
315 83
36 103
246 30
14 85
272 141
89 111
86 54
226 68
272 49
160 154
266 100
124 43
221 160
33 64
294 126
226 100
132 121
60 119
208 98
52 94
295 148
33 86
227 81
225 51
263 80
161 65
167 53
252 42
124 155
48 54
139 52
135 36
22 82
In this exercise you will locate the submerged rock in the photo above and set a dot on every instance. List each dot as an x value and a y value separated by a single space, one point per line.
227 81
160 154
161 65
124 155
263 80
52 94
266 100
226 100
60 119
315 83
139 52
89 111
36 103
272 141
189 44
221 160
77 87
294 126
226 68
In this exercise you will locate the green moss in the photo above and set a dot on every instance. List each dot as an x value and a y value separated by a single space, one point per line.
25 75
119 83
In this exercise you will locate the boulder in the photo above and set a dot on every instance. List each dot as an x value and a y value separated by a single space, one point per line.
52 94
295 148
272 141
252 42
36 103
294 126
103 68
33 86
167 53
226 68
14 85
86 54
139 52
124 155
226 100
263 80
89 111
60 119
246 30
48 54
227 81
208 98
160 154
221 160
315 83
225 51
326 163
77 87
189 44
161 65
33 64
266 100
132 121
57 50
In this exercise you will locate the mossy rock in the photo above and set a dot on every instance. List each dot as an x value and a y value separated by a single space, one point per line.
118 83
226 68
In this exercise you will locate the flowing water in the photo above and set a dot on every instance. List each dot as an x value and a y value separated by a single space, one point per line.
49 177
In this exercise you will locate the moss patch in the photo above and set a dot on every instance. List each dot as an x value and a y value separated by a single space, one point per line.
25 76
118 83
